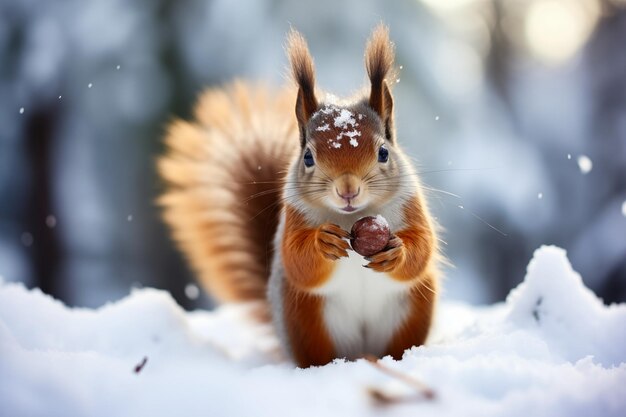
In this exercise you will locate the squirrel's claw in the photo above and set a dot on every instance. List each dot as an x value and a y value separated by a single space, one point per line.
335 230
389 258
331 241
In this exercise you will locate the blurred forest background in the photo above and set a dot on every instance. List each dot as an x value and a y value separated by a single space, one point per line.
515 107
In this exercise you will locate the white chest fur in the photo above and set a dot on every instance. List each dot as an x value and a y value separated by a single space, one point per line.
362 308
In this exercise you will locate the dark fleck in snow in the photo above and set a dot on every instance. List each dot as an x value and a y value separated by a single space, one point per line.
139 367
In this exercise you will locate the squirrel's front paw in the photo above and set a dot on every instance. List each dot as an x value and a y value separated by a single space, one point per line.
331 240
389 258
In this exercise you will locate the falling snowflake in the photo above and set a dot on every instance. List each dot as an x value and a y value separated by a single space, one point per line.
51 221
192 291
27 239
585 164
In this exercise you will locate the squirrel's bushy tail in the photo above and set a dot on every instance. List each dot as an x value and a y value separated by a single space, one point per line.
224 173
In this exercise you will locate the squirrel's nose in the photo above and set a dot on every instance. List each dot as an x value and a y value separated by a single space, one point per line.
347 194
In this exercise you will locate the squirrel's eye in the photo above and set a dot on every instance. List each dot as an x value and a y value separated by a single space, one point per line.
383 154
308 159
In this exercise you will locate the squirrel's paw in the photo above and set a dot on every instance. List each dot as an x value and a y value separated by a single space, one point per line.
332 241
389 258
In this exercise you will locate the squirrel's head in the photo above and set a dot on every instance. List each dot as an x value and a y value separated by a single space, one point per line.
349 159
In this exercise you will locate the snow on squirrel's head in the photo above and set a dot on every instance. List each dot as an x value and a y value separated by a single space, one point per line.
349 158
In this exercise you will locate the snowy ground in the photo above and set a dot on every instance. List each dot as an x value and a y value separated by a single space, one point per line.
552 349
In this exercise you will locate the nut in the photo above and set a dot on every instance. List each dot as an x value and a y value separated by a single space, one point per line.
370 235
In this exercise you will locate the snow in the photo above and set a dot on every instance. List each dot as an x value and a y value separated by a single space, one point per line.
585 164
27 239
539 196
323 128
192 291
344 119
51 221
552 349
624 208
21 110
380 222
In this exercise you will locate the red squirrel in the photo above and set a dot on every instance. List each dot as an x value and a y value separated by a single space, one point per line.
261 203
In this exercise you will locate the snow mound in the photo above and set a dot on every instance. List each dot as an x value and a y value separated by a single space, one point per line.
554 302
552 349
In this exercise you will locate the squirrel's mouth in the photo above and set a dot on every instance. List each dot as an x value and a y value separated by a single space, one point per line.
349 208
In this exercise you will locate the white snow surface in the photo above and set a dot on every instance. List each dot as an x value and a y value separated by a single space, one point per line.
552 349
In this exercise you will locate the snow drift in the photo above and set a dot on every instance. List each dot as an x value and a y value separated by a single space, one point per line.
553 348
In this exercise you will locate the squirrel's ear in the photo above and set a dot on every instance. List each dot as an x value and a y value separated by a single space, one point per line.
379 57
304 75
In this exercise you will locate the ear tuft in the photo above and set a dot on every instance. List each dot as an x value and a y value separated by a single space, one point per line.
379 55
303 73
379 58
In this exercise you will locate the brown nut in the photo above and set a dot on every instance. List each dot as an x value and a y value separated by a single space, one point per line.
370 235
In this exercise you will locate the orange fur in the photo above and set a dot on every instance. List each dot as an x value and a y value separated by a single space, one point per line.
221 207
347 159
415 249
303 73
379 57
308 251
309 339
